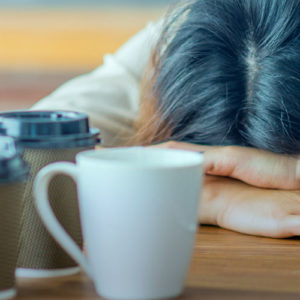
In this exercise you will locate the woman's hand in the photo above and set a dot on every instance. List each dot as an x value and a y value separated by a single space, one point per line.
234 205
263 201
253 166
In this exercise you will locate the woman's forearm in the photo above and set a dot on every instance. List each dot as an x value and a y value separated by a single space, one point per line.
237 206
253 166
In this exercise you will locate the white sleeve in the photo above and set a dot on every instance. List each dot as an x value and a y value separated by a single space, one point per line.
109 94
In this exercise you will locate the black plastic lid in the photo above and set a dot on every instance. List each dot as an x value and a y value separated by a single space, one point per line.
49 129
12 166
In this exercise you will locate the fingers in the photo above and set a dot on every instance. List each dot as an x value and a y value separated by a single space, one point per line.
288 227
253 166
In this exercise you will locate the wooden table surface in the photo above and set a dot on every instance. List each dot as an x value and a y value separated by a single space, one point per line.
225 265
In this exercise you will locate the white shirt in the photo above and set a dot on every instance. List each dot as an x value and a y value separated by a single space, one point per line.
110 94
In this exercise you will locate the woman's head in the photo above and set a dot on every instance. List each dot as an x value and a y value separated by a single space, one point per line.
227 72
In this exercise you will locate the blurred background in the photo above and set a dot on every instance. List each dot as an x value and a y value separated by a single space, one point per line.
46 42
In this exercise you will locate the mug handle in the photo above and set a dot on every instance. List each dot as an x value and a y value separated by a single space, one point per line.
40 192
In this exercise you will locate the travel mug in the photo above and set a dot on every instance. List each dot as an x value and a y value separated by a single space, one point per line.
47 137
13 173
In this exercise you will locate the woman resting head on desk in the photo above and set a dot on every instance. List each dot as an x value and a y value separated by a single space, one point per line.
224 74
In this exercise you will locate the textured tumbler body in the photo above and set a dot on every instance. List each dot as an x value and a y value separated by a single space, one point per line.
10 215
37 249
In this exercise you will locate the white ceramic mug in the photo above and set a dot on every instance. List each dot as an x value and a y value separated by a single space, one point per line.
138 211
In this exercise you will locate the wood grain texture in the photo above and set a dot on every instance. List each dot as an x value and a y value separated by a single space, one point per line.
225 265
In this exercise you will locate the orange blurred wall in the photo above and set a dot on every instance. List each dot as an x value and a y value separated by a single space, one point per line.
59 40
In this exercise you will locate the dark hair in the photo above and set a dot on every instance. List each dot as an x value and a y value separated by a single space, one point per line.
227 72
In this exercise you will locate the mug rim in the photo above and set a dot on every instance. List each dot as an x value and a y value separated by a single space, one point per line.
192 159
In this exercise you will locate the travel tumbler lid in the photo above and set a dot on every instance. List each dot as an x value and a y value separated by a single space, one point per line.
49 129
12 165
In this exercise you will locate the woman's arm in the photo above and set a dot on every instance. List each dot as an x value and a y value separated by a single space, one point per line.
251 191
237 206
253 166
109 94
